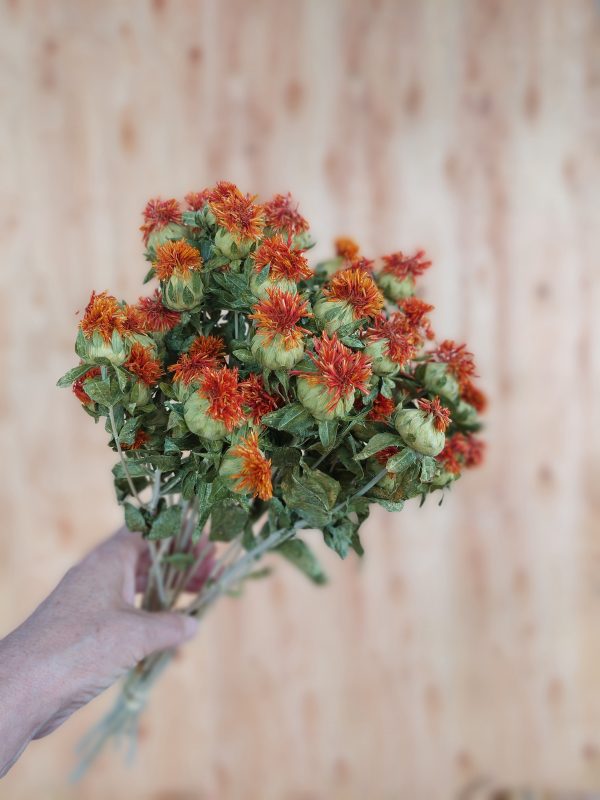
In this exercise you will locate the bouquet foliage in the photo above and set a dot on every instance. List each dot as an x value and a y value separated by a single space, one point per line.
249 397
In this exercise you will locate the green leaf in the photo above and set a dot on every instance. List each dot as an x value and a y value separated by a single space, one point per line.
293 418
301 556
69 377
327 432
402 460
285 456
352 341
134 519
428 468
179 560
227 521
167 523
311 493
379 442
389 505
339 537
103 391
129 430
149 275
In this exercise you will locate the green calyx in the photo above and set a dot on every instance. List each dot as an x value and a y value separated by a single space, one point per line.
199 421
261 284
332 314
316 398
231 246
418 430
183 292
396 288
168 232
381 364
273 354
439 380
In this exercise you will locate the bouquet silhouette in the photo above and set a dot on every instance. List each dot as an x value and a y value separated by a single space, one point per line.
249 398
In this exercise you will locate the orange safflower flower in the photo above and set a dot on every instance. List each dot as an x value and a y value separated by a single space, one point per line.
155 317
474 396
358 289
103 314
402 266
255 474
143 364
205 351
176 257
346 248
280 314
384 455
282 215
339 369
235 212
396 330
159 213
382 409
459 360
257 398
285 263
441 415
141 438
220 387
134 320
415 311
197 200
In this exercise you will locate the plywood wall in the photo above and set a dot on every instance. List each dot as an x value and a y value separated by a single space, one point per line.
467 644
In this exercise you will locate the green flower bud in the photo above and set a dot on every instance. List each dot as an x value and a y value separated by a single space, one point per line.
443 478
316 398
230 246
439 380
377 351
198 420
418 430
260 285
183 292
396 288
465 414
139 393
161 235
116 350
332 314
273 353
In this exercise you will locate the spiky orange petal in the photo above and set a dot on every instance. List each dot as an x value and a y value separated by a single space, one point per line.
197 200
103 314
143 364
280 314
285 263
384 455
457 357
159 213
255 474
141 438
257 398
441 415
382 409
346 248
356 287
205 351
155 317
471 394
79 391
176 257
339 369
396 330
235 212
220 387
402 266
282 214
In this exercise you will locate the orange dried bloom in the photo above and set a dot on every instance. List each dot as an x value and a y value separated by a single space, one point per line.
366 264
402 266
235 212
176 257
141 438
257 398
103 314
382 409
384 455
450 456
197 200
206 351
155 317
255 474
357 288
459 360
346 248
134 320
143 364
441 415
474 450
280 314
471 394
338 368
159 213
286 264
79 391
220 387
283 215
401 339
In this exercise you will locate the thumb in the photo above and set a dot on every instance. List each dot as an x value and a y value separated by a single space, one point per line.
163 630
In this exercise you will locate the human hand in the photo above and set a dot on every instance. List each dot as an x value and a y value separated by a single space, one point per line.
84 636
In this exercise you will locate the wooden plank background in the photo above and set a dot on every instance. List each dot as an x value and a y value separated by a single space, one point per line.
467 644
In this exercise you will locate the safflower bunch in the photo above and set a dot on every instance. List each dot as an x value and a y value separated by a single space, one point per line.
249 397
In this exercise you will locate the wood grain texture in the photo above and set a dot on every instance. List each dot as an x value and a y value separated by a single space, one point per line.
467 644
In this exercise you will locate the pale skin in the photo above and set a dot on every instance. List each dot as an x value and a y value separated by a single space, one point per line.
84 636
